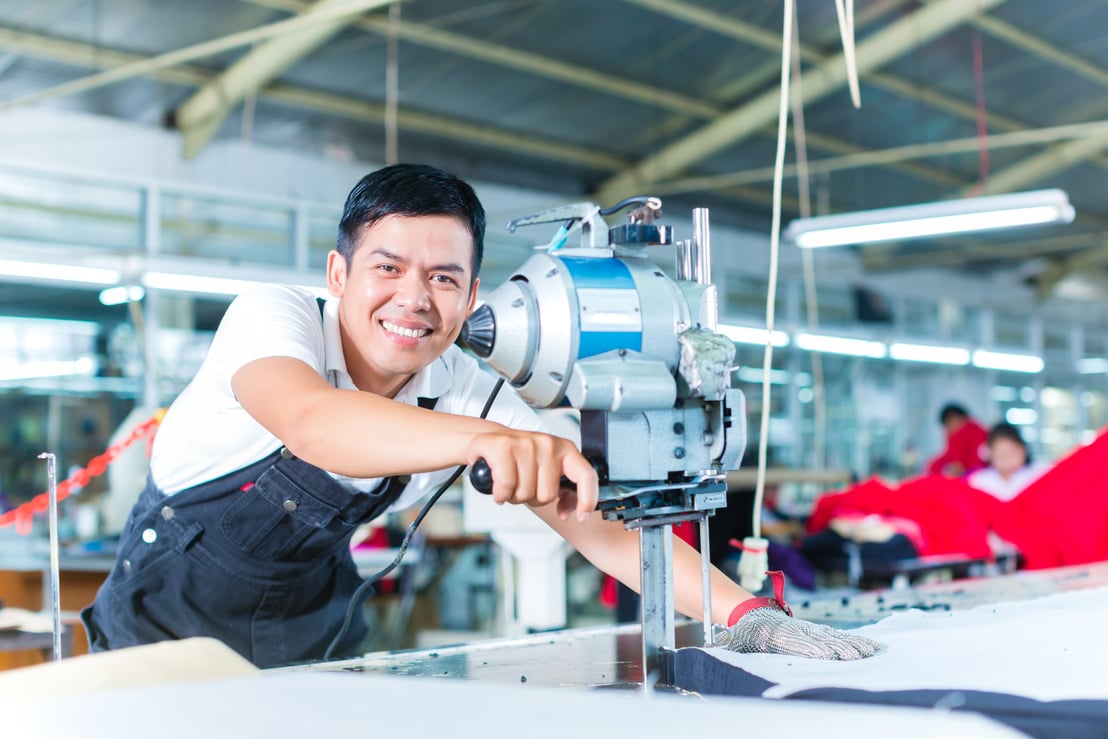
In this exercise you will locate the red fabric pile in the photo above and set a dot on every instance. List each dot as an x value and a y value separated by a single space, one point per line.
1060 519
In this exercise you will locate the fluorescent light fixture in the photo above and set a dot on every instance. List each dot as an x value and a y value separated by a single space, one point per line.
188 283
122 294
196 283
841 345
751 335
59 272
1007 362
33 370
1092 365
933 219
1021 416
755 375
929 353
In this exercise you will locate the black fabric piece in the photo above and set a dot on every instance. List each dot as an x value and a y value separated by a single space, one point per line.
828 545
1073 719
696 670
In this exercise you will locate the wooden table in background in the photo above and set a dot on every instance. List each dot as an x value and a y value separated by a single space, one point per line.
27 585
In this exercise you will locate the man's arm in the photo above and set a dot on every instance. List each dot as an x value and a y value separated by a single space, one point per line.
615 550
759 626
360 434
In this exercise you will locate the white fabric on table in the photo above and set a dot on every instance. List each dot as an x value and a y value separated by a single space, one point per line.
1050 648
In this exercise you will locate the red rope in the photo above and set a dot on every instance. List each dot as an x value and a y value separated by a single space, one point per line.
23 516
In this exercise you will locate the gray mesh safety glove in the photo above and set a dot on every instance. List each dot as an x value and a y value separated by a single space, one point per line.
767 625
770 629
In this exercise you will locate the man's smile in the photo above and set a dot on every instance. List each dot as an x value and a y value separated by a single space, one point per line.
410 333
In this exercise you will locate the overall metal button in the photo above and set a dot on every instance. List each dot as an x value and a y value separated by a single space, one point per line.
149 536
285 453
167 513
126 565
290 505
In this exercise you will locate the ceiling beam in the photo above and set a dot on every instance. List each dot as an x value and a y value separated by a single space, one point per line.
1044 50
828 76
621 87
745 84
96 57
855 157
1093 258
523 61
145 66
1041 166
60 50
964 110
199 117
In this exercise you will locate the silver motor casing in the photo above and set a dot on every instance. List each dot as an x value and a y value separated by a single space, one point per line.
558 311
607 333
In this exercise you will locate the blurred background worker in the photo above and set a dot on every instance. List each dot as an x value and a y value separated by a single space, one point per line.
1010 467
965 443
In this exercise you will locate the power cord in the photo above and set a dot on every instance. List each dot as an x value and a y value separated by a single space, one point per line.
361 594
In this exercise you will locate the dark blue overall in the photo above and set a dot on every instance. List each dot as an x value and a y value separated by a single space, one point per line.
259 559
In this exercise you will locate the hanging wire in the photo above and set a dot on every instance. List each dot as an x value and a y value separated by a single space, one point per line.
392 87
844 10
982 119
774 248
808 259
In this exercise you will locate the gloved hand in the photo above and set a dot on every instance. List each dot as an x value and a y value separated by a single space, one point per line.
770 629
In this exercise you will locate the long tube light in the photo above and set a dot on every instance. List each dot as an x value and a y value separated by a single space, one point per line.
841 345
34 370
203 284
1092 365
929 353
1007 362
121 294
755 375
59 272
964 215
751 335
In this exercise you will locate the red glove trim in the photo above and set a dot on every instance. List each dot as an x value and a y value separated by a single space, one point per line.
777 601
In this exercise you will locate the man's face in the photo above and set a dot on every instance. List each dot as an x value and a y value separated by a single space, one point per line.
405 294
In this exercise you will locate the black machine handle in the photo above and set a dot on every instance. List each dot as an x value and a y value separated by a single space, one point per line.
480 476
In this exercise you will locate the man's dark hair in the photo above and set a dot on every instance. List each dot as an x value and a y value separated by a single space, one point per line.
1005 430
951 411
410 190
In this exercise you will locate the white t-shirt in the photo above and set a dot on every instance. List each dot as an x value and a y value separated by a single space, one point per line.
207 434
988 480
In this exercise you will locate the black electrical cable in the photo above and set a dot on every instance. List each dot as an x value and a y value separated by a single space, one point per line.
638 199
360 594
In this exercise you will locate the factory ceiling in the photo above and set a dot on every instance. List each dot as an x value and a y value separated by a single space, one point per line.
609 98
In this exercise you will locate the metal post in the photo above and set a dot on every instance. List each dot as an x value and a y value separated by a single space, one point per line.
703 246
55 576
685 260
655 556
706 578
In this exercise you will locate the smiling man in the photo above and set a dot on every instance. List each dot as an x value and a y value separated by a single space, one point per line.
310 418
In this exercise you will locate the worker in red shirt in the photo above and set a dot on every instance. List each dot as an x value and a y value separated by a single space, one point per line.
965 443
